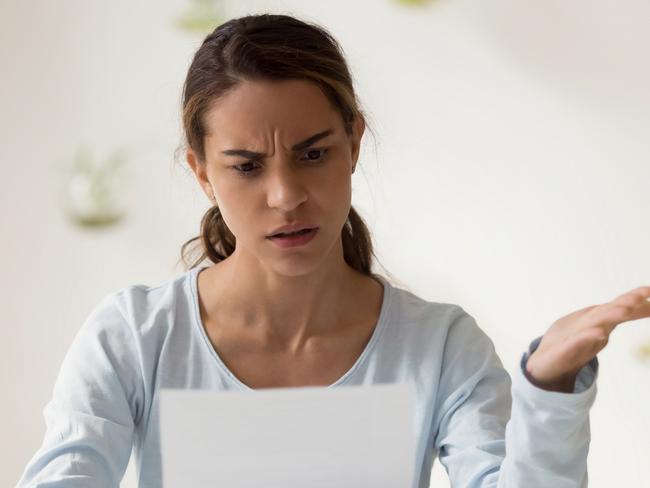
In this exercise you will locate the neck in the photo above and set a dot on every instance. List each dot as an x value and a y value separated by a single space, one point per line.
281 309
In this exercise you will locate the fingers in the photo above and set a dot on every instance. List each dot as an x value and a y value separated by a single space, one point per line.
630 299
643 291
613 314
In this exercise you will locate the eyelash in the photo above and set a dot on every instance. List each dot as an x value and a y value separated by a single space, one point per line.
247 174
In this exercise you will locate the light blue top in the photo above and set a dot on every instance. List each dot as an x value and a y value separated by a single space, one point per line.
469 412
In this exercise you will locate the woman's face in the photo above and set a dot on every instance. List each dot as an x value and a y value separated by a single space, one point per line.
286 182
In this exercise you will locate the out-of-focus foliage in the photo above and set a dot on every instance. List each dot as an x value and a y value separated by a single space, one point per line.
94 194
200 17
413 3
644 352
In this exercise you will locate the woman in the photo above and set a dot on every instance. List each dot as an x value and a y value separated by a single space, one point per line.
273 133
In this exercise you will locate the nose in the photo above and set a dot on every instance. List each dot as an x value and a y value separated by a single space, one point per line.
286 189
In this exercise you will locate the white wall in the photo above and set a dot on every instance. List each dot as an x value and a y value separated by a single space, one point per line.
511 176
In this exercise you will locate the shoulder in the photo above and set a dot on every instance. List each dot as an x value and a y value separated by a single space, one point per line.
426 316
139 309
447 327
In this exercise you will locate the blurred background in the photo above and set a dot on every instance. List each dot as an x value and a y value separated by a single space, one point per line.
509 175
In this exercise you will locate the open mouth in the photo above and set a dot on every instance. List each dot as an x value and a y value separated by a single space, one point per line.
293 239
297 233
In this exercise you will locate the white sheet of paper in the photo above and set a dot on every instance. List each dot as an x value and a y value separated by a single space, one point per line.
344 437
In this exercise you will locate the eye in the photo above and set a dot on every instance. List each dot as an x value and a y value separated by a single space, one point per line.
245 169
315 155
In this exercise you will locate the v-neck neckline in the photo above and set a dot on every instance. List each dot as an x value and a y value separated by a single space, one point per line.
198 321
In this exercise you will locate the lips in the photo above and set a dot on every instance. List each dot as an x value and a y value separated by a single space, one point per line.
298 239
291 229
288 234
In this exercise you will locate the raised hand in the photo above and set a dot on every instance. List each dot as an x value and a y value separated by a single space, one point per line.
575 339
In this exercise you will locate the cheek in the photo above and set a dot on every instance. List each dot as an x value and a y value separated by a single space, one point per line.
335 196
235 211
344 193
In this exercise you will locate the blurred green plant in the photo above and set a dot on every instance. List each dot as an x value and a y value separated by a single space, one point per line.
94 194
644 352
201 17
413 3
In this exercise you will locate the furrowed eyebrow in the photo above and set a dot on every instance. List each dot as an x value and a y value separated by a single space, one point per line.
295 148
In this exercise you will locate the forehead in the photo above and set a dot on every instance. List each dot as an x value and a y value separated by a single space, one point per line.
256 109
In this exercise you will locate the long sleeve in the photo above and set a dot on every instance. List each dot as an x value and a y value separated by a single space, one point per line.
95 403
496 432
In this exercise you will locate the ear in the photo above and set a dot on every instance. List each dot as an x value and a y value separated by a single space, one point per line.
358 128
201 174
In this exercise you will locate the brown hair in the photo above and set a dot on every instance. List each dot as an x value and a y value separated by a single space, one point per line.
270 47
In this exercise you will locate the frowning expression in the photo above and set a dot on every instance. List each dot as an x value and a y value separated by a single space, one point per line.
277 153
